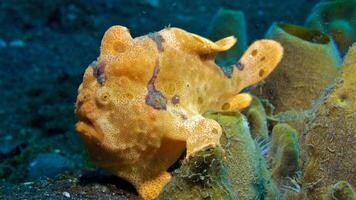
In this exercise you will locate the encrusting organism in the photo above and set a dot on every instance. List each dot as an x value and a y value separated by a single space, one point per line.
328 145
141 103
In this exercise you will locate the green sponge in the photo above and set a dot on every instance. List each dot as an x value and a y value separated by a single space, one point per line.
203 176
257 118
284 155
243 157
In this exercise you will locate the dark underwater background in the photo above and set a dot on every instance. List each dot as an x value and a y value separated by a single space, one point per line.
45 47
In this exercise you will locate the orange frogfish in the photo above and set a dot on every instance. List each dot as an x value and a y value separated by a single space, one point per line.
141 103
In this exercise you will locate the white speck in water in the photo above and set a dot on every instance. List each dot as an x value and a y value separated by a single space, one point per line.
66 194
34 163
28 183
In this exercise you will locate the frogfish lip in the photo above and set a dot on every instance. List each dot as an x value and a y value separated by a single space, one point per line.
86 129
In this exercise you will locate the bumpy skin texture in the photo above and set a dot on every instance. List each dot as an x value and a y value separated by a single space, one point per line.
328 146
140 103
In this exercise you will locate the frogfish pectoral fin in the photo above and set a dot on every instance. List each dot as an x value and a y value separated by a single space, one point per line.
257 62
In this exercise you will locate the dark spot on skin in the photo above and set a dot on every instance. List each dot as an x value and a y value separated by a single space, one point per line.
175 99
263 58
155 98
254 53
261 73
99 71
158 39
239 66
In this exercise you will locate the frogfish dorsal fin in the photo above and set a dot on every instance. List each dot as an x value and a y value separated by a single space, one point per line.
201 45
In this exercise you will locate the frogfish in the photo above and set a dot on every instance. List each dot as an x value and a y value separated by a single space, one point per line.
141 103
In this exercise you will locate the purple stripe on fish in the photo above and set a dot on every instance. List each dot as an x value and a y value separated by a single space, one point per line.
155 98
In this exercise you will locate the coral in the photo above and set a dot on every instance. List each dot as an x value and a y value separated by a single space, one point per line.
203 176
328 150
288 88
141 103
229 22
337 18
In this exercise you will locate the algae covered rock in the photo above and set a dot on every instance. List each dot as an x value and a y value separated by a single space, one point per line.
203 176
337 18
329 153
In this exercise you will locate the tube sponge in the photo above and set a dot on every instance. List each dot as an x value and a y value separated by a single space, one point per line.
309 63
257 118
243 159
337 18
226 23
284 153
329 143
